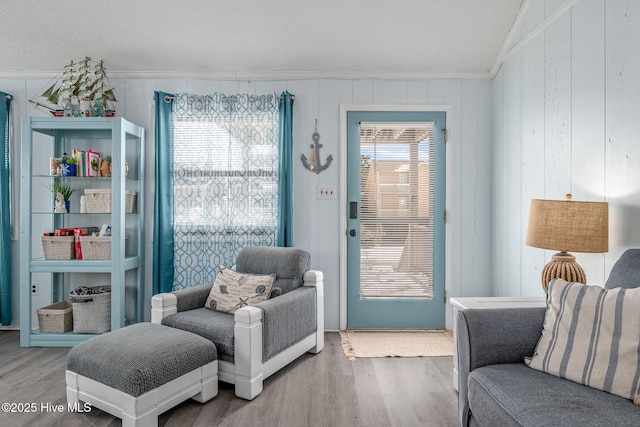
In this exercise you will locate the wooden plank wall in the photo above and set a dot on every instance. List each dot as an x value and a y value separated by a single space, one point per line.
316 222
566 108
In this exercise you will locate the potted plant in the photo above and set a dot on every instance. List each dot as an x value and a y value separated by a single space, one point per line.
68 166
61 194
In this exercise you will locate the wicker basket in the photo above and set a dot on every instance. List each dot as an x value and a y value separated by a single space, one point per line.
95 247
58 247
99 200
56 318
91 309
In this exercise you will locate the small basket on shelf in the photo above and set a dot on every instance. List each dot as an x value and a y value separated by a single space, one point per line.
58 247
56 318
99 200
96 248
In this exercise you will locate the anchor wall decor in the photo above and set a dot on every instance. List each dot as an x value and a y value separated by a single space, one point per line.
314 165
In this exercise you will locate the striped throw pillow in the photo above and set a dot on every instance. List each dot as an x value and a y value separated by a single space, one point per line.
591 336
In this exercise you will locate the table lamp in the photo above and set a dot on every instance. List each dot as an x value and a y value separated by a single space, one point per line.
567 225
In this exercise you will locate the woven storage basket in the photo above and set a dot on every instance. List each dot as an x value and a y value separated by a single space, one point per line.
95 247
56 318
91 309
58 247
99 200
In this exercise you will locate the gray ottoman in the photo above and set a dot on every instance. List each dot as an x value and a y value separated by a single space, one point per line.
142 370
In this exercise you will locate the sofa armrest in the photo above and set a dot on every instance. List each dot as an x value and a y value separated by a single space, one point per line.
315 278
163 305
312 278
287 319
492 336
273 331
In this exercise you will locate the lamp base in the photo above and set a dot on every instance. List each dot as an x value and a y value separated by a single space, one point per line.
564 266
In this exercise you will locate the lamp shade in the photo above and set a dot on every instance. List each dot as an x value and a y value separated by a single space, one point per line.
569 226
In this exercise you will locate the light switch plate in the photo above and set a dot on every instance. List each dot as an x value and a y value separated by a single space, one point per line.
327 192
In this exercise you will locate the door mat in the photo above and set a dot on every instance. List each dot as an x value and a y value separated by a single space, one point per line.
396 344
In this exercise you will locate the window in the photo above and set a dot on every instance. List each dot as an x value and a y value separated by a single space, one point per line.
397 191
225 181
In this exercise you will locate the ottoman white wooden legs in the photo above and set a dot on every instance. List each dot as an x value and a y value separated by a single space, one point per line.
140 371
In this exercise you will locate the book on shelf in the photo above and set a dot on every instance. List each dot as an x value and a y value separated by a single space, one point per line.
63 232
93 163
79 155
54 166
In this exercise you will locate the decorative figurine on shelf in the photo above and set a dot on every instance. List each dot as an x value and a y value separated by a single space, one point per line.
105 166
62 193
60 204
72 92
98 109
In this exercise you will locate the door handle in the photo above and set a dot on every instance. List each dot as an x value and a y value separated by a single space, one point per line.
353 210
352 233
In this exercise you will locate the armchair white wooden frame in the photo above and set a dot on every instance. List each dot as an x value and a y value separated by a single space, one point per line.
248 371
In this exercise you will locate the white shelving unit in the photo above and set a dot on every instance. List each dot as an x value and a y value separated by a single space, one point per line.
43 138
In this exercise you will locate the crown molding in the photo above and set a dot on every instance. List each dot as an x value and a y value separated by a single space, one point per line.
258 75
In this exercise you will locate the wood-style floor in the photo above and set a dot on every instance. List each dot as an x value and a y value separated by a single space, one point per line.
316 390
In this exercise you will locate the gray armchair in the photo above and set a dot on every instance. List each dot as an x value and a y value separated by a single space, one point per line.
256 341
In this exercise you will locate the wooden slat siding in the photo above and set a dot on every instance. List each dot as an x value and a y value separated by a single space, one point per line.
316 390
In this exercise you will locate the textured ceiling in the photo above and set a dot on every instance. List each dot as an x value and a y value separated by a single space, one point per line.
343 38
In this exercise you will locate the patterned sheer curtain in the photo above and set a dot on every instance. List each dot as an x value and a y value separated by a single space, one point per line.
225 156
5 211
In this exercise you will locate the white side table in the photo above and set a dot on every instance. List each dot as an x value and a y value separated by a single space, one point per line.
490 303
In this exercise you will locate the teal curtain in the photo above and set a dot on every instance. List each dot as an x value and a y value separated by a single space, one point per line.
5 212
285 185
163 240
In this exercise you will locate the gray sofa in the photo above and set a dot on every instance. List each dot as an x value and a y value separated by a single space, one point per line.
496 388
